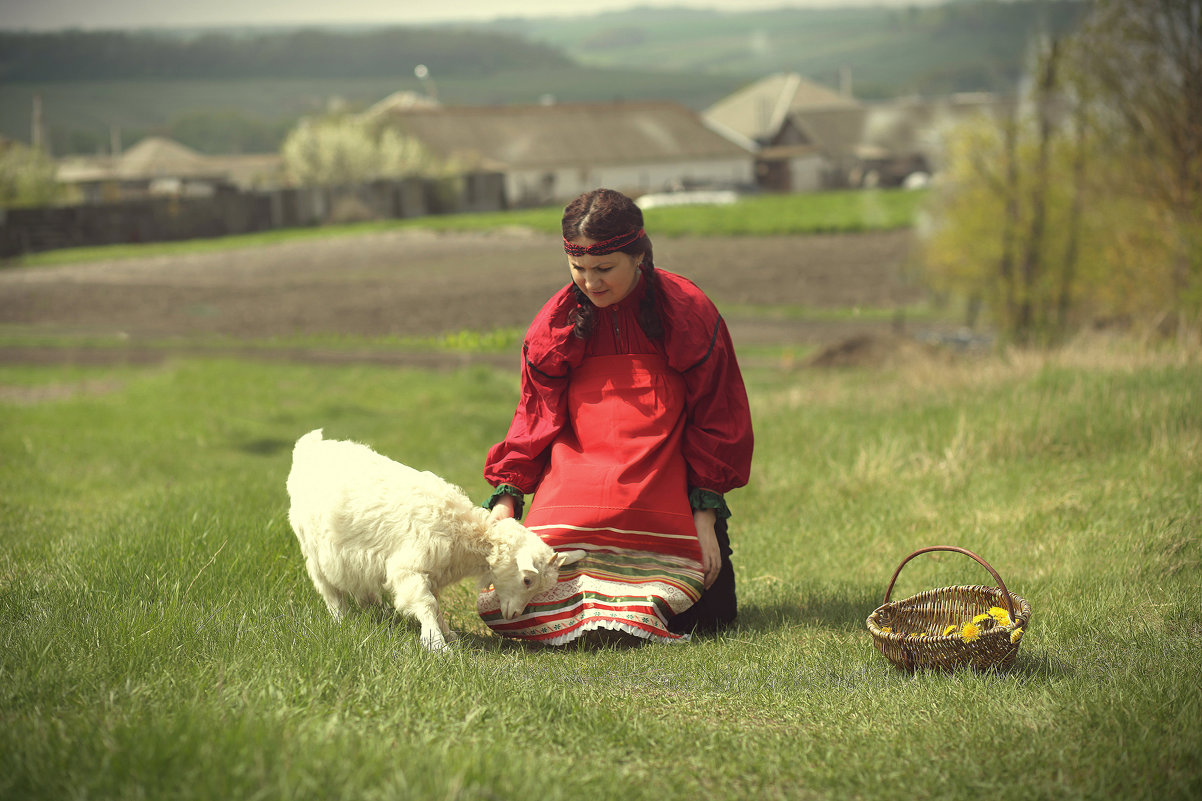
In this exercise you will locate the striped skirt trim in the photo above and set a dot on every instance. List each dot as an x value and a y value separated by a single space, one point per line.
632 591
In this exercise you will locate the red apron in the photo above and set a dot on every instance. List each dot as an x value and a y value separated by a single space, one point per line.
616 487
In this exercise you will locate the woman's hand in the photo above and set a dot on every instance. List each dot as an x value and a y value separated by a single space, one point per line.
711 554
503 507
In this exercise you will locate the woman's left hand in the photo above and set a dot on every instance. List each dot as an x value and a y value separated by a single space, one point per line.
711 554
503 508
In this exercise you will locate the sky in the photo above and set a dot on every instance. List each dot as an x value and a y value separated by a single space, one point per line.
108 14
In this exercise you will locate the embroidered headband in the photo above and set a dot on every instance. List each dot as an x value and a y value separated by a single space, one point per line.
602 248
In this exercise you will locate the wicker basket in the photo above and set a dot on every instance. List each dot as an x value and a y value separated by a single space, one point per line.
910 633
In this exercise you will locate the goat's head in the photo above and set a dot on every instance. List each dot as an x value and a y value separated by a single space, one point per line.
525 569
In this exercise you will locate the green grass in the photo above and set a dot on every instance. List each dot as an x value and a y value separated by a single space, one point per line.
159 637
758 215
845 211
498 340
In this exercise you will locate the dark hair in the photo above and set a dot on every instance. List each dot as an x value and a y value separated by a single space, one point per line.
605 214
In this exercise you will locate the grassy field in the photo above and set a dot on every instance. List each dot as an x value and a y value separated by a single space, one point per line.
159 637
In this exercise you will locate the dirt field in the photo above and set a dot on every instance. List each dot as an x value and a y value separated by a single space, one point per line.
420 283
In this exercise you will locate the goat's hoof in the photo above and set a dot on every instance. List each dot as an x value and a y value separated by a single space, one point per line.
435 645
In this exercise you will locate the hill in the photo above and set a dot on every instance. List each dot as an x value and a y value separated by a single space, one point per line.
240 90
970 45
302 53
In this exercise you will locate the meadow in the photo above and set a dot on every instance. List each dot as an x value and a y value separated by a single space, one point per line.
159 637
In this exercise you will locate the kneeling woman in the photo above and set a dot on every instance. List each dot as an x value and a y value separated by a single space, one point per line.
632 425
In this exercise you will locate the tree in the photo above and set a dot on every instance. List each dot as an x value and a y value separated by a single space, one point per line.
1142 61
344 149
27 177
1086 203
1001 222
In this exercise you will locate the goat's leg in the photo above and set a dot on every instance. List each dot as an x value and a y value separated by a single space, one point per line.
413 594
447 634
335 598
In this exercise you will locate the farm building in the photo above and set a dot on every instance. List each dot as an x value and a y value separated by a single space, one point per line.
550 153
159 166
805 135
906 134
809 137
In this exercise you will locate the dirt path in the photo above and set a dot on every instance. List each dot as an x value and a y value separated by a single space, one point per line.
421 283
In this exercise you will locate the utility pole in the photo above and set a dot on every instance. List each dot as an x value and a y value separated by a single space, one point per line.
37 131
422 72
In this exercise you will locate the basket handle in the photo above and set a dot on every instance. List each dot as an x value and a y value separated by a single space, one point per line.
1001 584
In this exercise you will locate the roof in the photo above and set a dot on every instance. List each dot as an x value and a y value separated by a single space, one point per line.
758 111
836 130
567 134
156 157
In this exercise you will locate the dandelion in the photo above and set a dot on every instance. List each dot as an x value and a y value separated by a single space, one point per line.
970 632
949 630
1016 635
1000 615
887 629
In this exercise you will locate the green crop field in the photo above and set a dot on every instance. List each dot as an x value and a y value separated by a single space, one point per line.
159 637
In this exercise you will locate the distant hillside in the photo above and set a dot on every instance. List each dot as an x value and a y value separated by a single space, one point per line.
306 53
254 115
240 90
969 45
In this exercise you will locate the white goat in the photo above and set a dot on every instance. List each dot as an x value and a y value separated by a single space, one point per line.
368 526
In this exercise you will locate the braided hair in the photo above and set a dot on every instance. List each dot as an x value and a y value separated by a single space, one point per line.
602 215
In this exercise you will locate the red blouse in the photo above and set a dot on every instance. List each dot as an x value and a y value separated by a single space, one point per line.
717 440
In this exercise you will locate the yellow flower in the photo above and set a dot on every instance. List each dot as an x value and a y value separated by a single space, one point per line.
949 630
1017 634
970 632
1000 615
981 618
887 629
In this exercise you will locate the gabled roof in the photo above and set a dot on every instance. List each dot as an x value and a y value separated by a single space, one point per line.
566 135
156 157
836 130
758 111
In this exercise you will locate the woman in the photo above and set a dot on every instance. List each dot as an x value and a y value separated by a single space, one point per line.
632 425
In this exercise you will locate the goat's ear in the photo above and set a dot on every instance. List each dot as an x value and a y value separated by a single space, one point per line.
568 558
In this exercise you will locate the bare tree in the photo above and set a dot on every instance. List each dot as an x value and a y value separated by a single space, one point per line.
1031 267
1086 202
1144 61
1068 273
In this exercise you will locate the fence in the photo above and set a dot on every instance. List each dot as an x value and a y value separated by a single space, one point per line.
227 212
